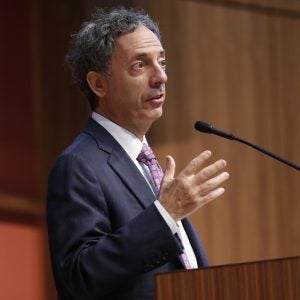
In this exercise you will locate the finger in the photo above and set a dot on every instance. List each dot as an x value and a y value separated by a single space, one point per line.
212 184
212 196
210 170
169 170
196 164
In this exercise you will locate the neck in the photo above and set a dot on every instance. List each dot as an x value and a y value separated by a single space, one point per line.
139 130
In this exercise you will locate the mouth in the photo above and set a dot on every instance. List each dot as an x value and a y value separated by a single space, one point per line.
156 101
158 97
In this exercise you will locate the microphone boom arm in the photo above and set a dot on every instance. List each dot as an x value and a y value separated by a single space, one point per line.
208 128
267 153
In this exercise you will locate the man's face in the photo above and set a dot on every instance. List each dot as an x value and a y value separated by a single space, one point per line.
135 88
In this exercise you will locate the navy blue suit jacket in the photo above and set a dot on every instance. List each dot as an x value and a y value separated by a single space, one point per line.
106 237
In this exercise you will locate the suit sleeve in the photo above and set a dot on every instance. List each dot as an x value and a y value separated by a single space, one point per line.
89 257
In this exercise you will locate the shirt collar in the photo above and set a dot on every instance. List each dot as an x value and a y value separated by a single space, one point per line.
128 141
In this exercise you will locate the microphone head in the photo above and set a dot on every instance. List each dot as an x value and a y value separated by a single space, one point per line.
203 127
208 128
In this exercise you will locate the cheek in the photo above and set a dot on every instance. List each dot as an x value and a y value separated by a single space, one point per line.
134 91
128 91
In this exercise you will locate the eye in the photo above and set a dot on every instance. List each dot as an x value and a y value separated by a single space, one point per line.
138 66
163 63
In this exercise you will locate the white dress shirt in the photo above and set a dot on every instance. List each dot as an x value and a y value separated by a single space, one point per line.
133 146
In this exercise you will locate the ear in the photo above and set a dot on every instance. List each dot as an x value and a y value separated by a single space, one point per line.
97 83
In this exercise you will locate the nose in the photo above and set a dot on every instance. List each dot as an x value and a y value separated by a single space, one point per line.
158 76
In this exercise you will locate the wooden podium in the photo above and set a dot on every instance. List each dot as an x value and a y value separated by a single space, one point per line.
277 279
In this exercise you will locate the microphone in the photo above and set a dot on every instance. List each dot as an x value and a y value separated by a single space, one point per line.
208 128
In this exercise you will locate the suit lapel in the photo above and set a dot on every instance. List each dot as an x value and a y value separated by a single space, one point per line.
121 163
132 177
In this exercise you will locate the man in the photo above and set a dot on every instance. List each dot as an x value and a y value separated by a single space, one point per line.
113 224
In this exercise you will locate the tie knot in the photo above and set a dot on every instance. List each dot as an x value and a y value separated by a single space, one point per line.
146 154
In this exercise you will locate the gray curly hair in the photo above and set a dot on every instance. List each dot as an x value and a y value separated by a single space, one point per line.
91 48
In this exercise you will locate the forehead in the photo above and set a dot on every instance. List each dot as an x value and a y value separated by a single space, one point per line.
141 41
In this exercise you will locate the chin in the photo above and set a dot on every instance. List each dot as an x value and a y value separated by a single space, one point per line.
149 117
157 113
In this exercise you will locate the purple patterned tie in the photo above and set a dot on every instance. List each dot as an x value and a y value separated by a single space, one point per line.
147 157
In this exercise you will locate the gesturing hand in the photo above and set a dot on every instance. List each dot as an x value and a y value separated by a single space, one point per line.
194 186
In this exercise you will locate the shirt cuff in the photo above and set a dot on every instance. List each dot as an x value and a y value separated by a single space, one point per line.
166 216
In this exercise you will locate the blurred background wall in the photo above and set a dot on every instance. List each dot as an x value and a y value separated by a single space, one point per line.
234 63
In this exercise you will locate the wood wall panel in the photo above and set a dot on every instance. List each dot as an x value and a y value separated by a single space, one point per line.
290 7
61 108
18 148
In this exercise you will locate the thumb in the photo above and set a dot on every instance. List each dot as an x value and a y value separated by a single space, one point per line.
170 169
